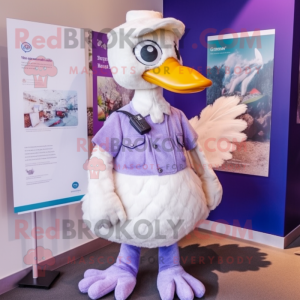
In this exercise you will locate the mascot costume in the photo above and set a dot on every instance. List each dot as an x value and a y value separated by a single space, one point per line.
156 181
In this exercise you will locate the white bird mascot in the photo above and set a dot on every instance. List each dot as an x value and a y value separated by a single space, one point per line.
157 180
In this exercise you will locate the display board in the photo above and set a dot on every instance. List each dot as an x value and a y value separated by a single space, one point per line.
47 85
241 64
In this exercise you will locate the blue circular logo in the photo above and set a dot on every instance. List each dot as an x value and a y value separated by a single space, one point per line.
75 185
26 47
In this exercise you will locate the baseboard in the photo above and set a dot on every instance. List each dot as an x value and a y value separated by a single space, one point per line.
10 282
292 236
251 235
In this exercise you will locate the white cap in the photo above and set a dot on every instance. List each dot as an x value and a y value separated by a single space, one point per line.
147 21
138 14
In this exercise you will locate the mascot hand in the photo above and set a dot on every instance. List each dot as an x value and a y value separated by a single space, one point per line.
211 185
212 189
102 211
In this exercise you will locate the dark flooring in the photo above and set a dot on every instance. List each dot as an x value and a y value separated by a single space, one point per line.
230 269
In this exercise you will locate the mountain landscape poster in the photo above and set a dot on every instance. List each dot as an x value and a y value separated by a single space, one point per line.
241 64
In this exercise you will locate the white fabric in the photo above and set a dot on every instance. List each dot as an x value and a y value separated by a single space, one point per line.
151 102
138 14
101 202
144 22
159 200
210 183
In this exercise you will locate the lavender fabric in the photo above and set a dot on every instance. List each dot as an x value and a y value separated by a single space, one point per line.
120 277
159 152
172 277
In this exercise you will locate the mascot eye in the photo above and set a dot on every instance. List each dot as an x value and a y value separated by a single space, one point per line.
148 53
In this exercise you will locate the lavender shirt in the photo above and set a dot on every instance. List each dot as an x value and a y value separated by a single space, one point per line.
159 152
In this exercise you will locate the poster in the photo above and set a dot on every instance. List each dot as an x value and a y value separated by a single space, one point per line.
47 86
242 65
108 95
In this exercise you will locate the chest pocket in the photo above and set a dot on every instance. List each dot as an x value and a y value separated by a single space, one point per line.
162 146
133 151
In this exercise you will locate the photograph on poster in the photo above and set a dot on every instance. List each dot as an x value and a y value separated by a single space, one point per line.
108 95
111 96
243 66
50 108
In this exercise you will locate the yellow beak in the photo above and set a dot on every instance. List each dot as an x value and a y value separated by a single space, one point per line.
172 76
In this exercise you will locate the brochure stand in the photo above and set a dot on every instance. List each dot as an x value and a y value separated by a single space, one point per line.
36 279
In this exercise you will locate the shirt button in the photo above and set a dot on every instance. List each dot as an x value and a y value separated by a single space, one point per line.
155 146
160 170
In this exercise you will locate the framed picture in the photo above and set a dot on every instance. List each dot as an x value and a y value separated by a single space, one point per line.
242 65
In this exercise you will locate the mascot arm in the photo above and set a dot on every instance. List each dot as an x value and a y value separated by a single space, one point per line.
101 206
210 182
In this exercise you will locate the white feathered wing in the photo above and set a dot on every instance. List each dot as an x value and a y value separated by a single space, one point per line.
218 128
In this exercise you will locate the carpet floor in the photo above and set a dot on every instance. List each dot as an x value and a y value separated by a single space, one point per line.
230 269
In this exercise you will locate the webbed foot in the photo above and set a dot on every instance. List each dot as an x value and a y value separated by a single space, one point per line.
99 283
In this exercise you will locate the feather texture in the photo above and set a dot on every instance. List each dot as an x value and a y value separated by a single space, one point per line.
218 128
153 203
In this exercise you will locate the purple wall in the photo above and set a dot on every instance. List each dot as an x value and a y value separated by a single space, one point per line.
261 200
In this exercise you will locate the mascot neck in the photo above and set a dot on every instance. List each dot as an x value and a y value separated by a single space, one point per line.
151 102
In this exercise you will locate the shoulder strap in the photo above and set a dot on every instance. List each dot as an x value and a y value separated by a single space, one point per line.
128 114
